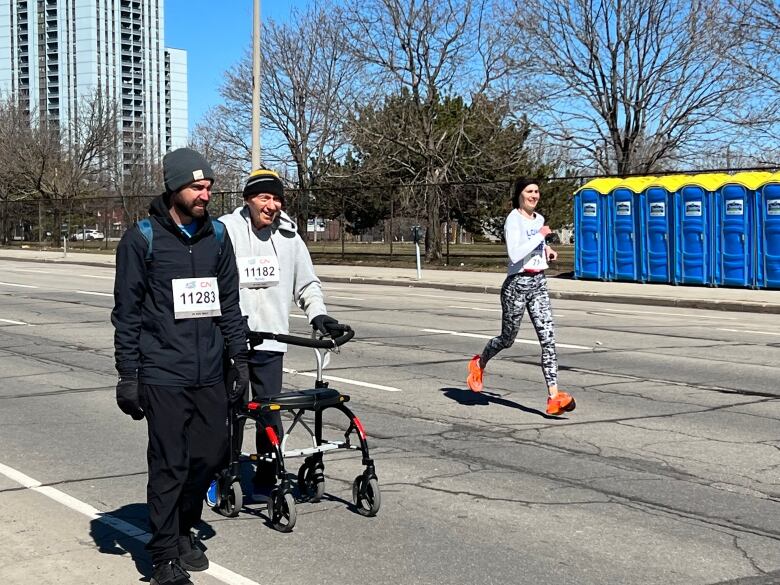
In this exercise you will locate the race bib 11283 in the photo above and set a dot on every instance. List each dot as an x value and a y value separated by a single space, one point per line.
195 297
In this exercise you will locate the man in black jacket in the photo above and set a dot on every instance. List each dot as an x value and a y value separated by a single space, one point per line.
176 310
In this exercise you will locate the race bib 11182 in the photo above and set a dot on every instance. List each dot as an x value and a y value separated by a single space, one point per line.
258 271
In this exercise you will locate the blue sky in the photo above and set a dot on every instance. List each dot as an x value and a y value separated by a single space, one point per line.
215 34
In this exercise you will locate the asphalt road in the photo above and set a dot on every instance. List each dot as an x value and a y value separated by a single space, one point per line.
667 472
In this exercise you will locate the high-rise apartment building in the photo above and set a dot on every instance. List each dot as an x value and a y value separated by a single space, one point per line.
56 53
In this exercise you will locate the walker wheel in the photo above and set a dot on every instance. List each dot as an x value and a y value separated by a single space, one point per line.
281 509
365 494
311 481
231 501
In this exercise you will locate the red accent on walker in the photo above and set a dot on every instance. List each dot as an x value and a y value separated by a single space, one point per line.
360 428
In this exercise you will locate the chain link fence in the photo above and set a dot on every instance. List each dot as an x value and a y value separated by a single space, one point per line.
352 214
349 222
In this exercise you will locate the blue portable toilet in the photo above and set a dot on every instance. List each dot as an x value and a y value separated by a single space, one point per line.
590 229
658 233
733 236
626 243
735 252
768 232
693 229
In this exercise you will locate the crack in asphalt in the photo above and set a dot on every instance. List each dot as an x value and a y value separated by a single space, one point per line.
62 347
747 557
771 578
441 444
63 392
77 480
444 450
534 362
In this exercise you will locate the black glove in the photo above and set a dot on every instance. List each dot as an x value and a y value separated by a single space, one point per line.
127 397
327 325
239 379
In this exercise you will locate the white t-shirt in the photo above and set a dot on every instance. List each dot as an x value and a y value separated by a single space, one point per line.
524 243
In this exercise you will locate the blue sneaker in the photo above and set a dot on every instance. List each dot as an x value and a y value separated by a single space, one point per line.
211 494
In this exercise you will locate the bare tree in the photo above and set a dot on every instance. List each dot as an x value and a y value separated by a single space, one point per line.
426 50
15 137
60 164
137 178
756 23
230 175
306 83
224 134
632 84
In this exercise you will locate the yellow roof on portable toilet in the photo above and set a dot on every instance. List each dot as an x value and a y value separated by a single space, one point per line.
708 181
636 184
671 183
751 179
602 185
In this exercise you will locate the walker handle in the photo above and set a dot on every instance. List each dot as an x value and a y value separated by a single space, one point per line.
256 338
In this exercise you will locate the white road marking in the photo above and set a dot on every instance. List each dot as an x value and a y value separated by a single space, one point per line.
14 322
218 572
749 331
424 296
628 311
442 298
298 316
346 298
344 380
98 294
96 276
33 270
480 336
19 285
489 310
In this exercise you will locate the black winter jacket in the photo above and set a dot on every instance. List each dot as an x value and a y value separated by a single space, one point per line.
147 339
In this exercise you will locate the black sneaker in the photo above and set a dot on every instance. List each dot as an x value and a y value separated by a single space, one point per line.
170 573
191 556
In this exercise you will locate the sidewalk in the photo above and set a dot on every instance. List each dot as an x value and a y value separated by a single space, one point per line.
50 539
699 297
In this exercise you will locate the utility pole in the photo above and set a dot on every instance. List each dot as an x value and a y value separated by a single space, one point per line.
256 87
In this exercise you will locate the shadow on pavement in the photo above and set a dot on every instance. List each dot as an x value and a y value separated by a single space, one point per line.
469 398
110 533
126 530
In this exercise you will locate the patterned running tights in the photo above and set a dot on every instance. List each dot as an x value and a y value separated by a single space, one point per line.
518 293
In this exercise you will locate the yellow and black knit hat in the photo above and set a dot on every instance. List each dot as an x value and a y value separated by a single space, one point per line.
264 181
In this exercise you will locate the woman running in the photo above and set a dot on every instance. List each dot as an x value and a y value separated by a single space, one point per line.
525 287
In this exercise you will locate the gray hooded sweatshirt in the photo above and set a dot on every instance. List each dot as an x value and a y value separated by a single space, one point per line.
268 309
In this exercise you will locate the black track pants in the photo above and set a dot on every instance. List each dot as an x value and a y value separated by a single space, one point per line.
521 292
187 443
265 373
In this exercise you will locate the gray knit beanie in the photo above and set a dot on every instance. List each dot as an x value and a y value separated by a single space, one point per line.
184 166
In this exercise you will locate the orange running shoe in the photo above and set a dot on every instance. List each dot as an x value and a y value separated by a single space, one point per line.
474 379
562 402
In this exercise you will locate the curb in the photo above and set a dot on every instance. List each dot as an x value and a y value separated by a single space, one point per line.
738 306
715 305
59 261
